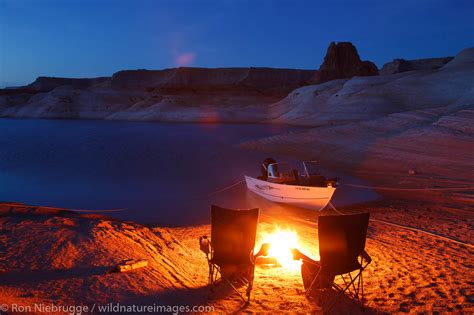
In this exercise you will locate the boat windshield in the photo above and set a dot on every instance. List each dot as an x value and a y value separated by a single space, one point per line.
280 170
311 168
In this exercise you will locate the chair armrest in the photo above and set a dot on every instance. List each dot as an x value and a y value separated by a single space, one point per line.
205 245
365 257
263 250
297 255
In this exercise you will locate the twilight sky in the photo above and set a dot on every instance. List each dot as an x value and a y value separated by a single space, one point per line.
88 38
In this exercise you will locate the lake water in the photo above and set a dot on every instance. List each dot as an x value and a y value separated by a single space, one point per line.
160 173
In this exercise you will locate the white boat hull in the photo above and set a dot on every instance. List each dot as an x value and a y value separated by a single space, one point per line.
315 198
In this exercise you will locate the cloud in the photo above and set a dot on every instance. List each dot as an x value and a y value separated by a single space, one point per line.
185 59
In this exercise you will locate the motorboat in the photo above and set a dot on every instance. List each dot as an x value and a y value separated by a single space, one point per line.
279 182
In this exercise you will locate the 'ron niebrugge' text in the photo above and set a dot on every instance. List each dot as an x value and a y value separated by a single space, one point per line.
50 308
108 308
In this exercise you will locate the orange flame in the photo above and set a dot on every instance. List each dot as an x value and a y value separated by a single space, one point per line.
281 242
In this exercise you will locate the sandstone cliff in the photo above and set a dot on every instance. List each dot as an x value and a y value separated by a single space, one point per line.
360 98
342 61
246 94
402 65
46 84
180 94
382 126
269 81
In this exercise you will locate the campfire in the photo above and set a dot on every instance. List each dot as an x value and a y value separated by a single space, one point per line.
281 241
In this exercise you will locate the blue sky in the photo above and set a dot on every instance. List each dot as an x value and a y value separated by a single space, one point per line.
73 38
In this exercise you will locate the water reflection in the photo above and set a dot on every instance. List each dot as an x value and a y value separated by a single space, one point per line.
162 173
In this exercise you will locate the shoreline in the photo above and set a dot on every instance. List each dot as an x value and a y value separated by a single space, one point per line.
409 266
419 267
390 174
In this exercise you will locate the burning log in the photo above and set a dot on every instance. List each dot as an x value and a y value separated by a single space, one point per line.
279 249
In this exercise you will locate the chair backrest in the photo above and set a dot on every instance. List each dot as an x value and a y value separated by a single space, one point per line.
233 234
341 241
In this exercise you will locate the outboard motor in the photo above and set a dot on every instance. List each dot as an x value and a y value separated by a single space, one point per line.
264 167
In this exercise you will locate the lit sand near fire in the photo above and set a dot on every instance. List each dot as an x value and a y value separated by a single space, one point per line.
63 258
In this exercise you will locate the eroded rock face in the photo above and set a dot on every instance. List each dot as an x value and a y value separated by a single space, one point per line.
342 61
362 98
177 94
402 65
239 80
248 94
46 84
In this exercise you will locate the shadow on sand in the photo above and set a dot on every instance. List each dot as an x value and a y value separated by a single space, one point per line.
33 277
202 296
327 302
332 302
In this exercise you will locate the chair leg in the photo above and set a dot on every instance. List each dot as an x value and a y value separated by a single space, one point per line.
246 279
344 289
358 288
348 287
236 290
213 274
210 275
362 291
250 277
313 283
355 294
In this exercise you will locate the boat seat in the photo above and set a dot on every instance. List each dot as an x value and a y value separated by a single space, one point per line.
282 180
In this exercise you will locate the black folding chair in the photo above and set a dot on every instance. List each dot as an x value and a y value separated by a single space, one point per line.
230 251
342 253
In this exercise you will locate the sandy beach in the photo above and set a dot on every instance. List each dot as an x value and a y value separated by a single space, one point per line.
60 257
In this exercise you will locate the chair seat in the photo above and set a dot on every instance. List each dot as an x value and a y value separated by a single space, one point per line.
309 271
231 271
222 262
347 267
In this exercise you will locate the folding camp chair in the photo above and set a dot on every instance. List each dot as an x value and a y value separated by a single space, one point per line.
342 252
230 251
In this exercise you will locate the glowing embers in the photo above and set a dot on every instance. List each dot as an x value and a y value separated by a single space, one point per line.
280 242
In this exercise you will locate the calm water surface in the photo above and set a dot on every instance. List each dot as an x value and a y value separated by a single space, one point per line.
161 173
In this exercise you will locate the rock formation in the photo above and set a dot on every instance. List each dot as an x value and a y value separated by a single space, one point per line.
178 94
383 126
360 98
247 94
46 84
402 65
342 61
269 81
